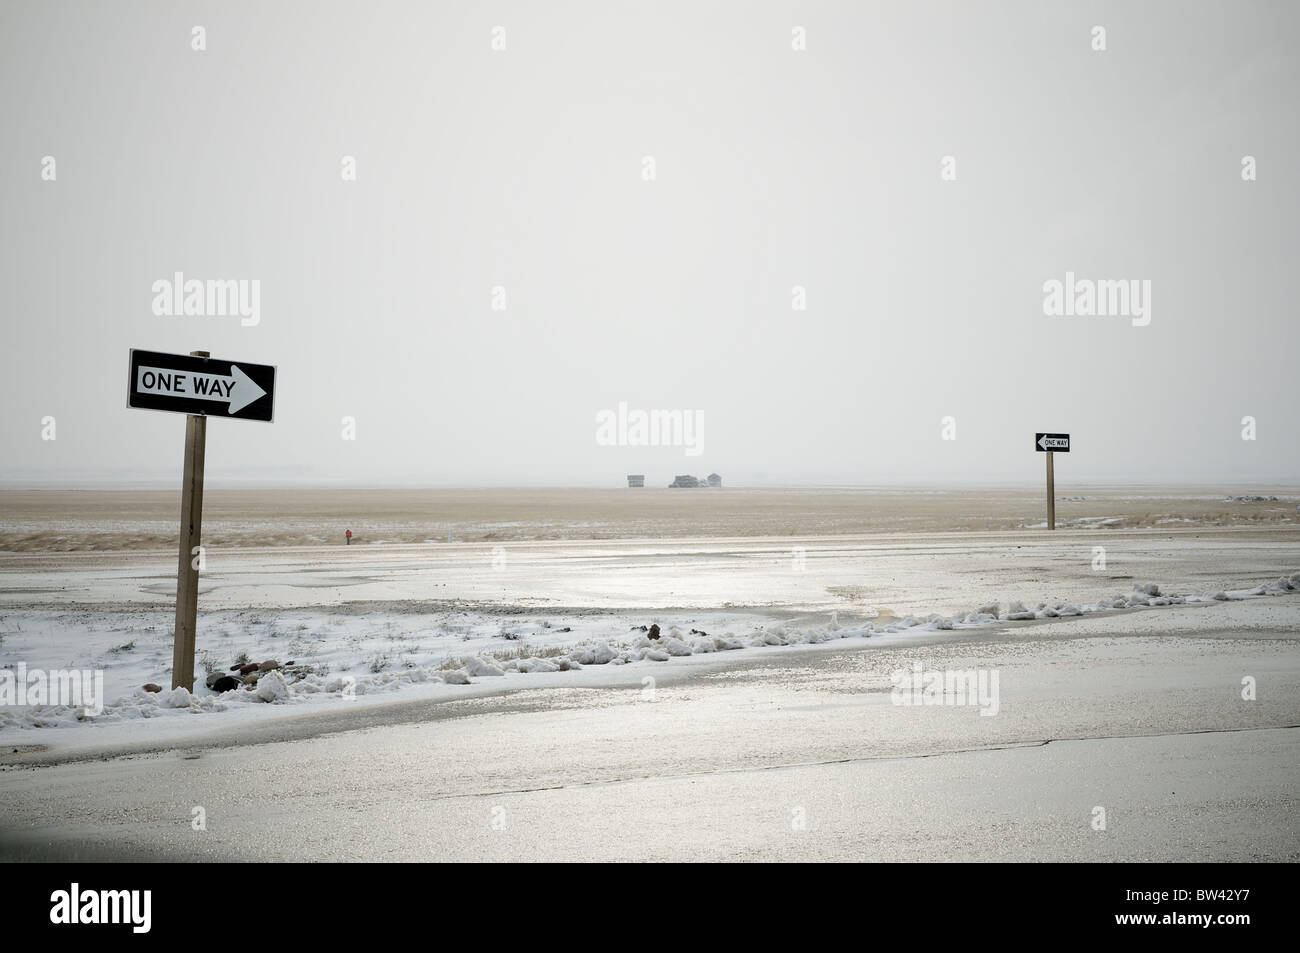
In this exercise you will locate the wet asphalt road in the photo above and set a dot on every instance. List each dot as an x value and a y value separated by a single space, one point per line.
796 757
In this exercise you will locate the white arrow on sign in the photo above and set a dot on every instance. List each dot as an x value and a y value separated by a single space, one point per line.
238 390
1051 443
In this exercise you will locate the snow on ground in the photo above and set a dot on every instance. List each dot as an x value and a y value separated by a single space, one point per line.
329 658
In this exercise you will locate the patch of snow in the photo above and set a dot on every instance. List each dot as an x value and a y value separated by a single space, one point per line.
271 688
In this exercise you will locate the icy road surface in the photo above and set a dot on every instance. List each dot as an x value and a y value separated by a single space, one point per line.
795 755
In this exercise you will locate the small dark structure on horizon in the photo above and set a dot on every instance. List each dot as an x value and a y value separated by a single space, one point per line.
636 479
686 480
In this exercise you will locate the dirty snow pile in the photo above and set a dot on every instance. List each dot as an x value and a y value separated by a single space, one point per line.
340 658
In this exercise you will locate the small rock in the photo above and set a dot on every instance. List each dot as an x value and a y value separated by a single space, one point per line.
214 678
226 683
151 687
250 667
654 631
269 665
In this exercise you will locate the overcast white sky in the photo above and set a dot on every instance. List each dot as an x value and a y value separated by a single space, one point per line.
774 167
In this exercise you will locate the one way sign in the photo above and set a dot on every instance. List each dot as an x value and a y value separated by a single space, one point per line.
206 386
1058 442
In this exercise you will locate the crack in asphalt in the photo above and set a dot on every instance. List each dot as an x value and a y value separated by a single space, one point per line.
1041 743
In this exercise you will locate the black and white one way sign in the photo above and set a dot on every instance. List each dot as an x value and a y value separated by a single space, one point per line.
1059 442
207 386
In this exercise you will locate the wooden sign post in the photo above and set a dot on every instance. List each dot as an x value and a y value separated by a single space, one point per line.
197 386
1049 443
187 569
1051 493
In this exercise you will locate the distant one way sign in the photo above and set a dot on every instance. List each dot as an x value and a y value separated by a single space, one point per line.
206 386
1051 444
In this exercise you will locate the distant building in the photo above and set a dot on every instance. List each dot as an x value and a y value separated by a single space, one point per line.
684 480
636 479
714 480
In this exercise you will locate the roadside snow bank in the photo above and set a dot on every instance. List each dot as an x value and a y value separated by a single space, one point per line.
344 663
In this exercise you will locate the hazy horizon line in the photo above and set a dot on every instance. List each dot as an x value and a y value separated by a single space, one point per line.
128 485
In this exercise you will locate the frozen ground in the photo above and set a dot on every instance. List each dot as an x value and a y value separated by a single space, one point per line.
407 729
773 754
362 625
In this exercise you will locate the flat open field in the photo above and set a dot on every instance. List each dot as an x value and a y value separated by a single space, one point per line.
80 520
